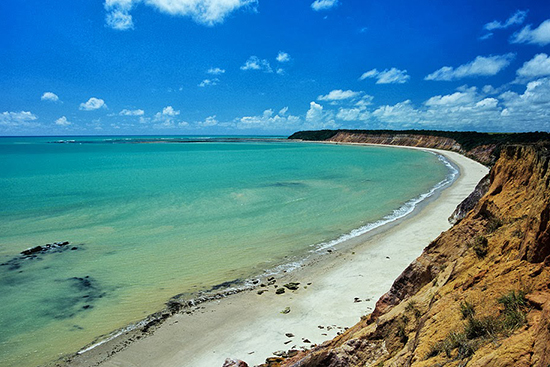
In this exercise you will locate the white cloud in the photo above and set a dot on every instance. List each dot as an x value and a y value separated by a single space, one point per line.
207 12
281 71
49 96
486 36
481 66
215 71
353 114
538 36
17 119
166 118
283 57
315 112
169 111
209 82
254 63
208 122
388 76
318 5
517 18
62 121
339 95
93 104
537 67
119 20
126 112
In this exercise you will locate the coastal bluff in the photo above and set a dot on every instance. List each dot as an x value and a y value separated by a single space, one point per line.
481 147
479 295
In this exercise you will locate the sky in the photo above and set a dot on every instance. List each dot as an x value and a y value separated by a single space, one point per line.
272 67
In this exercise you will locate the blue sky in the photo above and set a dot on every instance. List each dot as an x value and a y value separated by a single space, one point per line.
272 66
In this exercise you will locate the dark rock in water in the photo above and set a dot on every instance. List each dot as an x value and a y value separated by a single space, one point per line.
280 291
289 335
234 363
40 249
31 251
292 286
34 253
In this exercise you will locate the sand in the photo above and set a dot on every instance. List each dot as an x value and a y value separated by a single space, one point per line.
251 327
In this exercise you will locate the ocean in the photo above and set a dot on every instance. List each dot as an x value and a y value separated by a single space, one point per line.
147 218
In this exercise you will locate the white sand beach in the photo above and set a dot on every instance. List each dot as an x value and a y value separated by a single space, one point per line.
345 285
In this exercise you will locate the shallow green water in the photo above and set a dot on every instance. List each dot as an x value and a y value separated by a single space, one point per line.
153 220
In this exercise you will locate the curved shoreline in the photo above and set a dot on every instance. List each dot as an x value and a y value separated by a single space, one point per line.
264 328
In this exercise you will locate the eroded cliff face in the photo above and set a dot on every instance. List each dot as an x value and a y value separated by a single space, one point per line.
479 295
483 154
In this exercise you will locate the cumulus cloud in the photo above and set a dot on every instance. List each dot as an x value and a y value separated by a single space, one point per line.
468 108
93 104
62 121
515 19
255 63
166 118
269 120
538 36
319 5
388 76
17 119
215 71
207 12
283 57
339 95
209 82
49 96
208 122
126 112
481 66
537 67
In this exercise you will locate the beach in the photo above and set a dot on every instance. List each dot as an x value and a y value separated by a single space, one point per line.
335 290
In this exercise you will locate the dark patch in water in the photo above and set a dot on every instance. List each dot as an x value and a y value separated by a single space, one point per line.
82 293
287 184
228 284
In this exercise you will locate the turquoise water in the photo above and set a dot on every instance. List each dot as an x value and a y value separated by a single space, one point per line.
148 221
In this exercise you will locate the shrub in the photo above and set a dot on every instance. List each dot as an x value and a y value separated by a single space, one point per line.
480 246
467 309
514 313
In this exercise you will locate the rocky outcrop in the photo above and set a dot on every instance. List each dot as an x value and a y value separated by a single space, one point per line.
470 202
479 295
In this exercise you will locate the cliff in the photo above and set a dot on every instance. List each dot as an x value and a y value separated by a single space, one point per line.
479 295
482 147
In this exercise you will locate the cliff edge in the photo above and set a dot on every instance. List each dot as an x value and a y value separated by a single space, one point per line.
479 295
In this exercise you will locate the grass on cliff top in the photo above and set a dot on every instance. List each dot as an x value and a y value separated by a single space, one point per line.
468 140
478 330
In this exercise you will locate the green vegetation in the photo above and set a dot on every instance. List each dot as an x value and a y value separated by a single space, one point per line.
515 306
478 330
468 140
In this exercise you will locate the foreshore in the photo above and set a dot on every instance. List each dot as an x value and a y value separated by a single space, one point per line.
334 292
